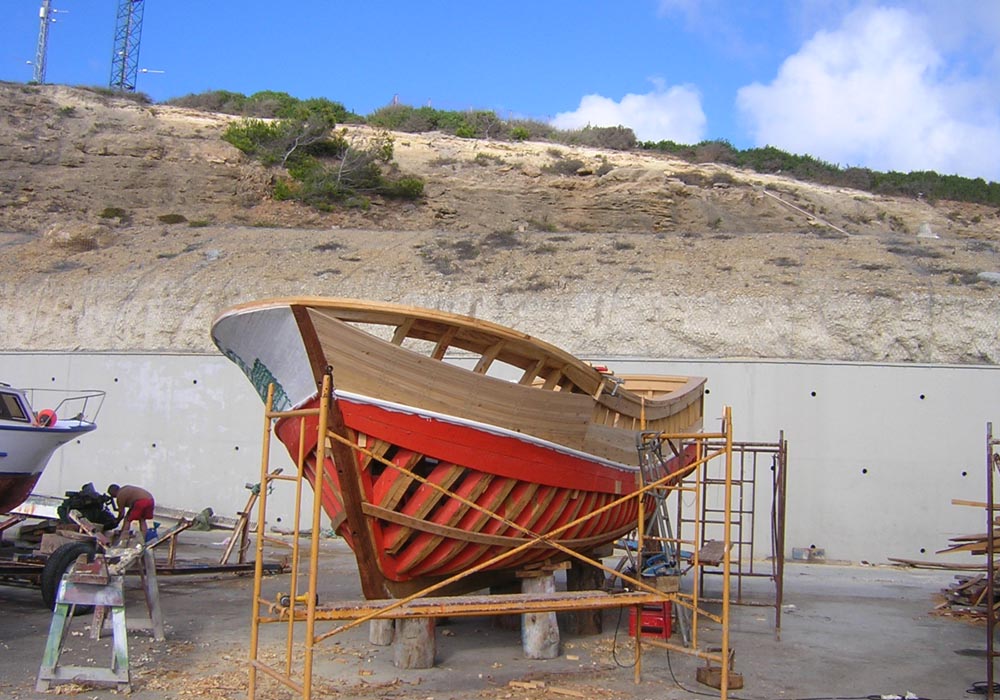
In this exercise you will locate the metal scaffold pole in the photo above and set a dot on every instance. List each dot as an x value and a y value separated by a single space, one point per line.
992 464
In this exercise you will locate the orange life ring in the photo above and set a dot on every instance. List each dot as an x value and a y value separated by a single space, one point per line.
47 418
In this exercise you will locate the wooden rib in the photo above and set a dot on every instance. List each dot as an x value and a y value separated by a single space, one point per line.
378 448
552 380
539 508
392 485
494 494
423 502
532 372
424 544
476 520
444 342
402 331
549 514
451 548
487 358
516 504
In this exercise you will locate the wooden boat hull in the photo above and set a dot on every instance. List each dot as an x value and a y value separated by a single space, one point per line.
459 496
457 464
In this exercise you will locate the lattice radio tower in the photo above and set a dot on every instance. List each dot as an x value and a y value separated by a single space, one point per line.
44 17
128 31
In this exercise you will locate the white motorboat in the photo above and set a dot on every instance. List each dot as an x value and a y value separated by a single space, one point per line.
28 438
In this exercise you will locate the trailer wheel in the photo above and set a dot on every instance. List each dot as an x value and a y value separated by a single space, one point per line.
58 564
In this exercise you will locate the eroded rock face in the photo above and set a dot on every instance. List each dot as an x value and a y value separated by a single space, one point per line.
138 224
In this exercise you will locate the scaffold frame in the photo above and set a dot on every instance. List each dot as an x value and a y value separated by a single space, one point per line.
746 482
302 606
992 466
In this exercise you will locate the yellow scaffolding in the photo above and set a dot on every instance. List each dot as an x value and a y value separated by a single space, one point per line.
288 609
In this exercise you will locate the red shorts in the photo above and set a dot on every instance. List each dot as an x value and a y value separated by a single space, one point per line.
140 510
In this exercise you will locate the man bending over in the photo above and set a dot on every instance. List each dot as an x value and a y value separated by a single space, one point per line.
133 503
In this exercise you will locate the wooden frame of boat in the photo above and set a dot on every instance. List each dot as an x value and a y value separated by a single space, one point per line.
450 466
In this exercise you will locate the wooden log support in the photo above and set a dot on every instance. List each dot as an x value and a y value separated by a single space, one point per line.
381 632
540 630
415 644
582 576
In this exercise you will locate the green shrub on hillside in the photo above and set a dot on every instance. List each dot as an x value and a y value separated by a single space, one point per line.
221 101
403 188
266 104
618 138
255 137
769 159
530 130
325 169
300 122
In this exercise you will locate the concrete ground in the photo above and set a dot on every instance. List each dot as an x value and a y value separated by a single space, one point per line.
847 632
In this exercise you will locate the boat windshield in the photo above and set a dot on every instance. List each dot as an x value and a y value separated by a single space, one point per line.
11 407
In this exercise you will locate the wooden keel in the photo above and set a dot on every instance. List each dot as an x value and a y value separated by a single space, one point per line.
349 475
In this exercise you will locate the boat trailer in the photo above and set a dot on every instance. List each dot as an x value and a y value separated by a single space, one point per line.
43 566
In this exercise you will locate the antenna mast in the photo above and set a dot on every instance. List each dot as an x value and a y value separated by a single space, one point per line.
43 41
128 31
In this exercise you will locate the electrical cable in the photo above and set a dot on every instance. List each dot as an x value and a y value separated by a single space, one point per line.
874 696
614 642
981 688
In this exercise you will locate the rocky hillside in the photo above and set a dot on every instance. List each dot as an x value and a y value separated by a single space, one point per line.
128 227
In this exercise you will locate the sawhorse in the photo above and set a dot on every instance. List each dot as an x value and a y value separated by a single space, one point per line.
94 584
111 594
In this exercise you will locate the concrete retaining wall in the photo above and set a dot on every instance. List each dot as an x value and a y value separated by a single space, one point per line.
877 452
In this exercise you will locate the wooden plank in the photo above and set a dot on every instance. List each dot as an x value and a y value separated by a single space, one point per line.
477 335
974 504
477 605
712 553
366 365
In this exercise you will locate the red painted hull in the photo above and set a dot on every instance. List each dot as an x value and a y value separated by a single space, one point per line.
419 533
15 489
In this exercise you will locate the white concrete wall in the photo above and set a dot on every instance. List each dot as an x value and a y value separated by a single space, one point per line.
877 452
187 427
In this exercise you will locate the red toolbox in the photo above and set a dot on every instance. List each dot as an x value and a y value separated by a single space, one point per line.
655 620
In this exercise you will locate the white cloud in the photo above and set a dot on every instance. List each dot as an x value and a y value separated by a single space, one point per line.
673 114
878 92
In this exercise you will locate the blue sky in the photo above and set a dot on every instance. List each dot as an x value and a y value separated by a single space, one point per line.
904 85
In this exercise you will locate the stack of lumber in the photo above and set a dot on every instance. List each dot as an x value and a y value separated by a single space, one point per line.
974 544
968 596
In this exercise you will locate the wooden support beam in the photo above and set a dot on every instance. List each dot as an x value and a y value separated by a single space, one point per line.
475 605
